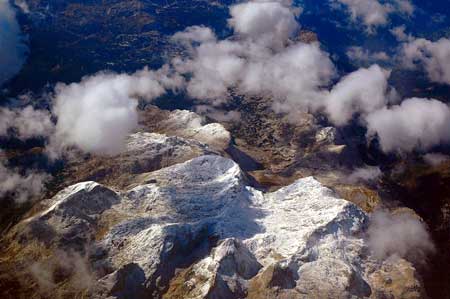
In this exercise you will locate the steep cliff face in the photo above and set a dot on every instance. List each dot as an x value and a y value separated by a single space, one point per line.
197 230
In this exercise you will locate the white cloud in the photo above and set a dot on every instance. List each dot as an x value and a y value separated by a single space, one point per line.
400 234
267 22
294 78
79 274
215 66
434 57
362 91
414 124
97 114
295 75
218 114
371 12
194 34
20 188
23 124
364 174
364 55
400 34
26 123
260 59
375 13
405 6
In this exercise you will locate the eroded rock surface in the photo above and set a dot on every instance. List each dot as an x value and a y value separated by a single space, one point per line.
185 124
197 230
178 136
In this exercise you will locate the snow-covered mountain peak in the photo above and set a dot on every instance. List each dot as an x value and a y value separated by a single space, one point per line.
197 230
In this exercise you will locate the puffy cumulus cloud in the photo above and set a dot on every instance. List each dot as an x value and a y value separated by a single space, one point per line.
434 57
364 174
267 22
13 47
364 56
294 75
362 91
375 13
294 78
20 188
414 124
401 234
25 123
194 34
214 67
97 114
260 59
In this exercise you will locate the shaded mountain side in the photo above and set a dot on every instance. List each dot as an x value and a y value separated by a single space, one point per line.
155 183
197 230
426 190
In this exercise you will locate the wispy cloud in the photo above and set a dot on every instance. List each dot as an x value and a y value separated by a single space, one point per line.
20 187
374 13
400 234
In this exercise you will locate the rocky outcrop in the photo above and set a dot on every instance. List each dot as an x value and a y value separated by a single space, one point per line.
288 148
222 274
197 230
185 124
178 136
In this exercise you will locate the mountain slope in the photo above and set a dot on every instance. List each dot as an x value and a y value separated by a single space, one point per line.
197 230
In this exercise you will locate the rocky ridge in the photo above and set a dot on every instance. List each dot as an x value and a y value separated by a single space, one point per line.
197 230
178 136
174 217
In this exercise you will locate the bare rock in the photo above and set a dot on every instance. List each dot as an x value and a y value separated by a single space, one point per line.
197 230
